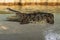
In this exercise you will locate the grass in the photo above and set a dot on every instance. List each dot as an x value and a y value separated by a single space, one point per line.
4 12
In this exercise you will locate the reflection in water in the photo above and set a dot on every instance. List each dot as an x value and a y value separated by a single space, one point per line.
51 35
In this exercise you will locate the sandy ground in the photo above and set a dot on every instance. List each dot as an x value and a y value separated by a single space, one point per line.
14 31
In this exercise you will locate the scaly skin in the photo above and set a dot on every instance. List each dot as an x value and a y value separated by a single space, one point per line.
24 18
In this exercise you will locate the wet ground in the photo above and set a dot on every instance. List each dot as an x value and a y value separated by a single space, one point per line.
14 31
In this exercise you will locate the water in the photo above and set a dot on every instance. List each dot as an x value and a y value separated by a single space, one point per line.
15 31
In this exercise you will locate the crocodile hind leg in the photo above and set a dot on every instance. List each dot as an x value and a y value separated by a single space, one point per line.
50 19
25 20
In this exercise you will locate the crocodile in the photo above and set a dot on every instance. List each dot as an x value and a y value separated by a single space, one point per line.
25 18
